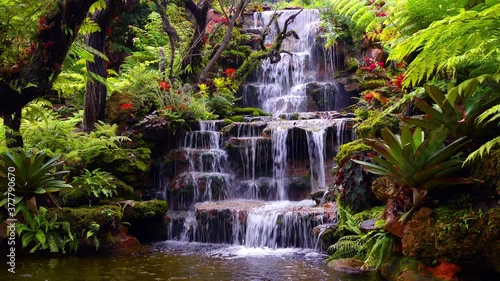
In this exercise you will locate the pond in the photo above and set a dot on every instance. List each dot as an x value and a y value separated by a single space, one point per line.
171 260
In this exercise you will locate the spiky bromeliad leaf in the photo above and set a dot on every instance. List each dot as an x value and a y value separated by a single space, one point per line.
413 159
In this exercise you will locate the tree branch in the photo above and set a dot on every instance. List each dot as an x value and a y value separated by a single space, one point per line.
225 41
37 77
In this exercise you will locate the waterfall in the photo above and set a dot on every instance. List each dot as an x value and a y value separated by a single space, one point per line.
284 87
281 224
343 135
279 136
230 171
316 141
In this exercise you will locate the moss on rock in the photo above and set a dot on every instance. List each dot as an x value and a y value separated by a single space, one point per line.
372 126
127 164
372 84
80 219
460 236
145 210
254 111
349 149
146 220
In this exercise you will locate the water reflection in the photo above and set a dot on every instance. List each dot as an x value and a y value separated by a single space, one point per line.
185 261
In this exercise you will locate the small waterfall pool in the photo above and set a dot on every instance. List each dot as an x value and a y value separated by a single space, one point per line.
172 260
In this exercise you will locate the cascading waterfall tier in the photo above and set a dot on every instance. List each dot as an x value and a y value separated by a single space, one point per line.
303 79
275 224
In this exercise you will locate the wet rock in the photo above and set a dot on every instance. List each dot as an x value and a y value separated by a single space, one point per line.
123 240
349 266
326 234
317 196
201 186
376 54
368 225
351 88
245 129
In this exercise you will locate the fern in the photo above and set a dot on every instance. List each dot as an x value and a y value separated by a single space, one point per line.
453 44
483 150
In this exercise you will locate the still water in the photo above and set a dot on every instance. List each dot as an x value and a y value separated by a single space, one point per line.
184 261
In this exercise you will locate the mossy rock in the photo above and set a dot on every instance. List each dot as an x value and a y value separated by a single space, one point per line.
237 118
356 194
372 84
253 111
141 105
107 216
127 164
460 236
372 126
487 169
144 210
399 268
347 150
123 190
146 220
73 197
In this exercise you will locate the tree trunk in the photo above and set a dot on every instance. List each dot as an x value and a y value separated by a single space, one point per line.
173 37
192 57
95 96
36 78
13 122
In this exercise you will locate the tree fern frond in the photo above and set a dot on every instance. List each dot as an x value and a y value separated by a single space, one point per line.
482 151
89 26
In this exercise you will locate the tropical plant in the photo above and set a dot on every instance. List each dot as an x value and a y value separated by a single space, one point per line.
416 161
92 233
96 183
372 247
444 47
33 176
458 117
43 233
489 116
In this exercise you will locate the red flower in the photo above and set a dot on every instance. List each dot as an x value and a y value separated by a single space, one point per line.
109 31
381 63
381 14
230 72
164 85
205 39
398 81
383 99
126 106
